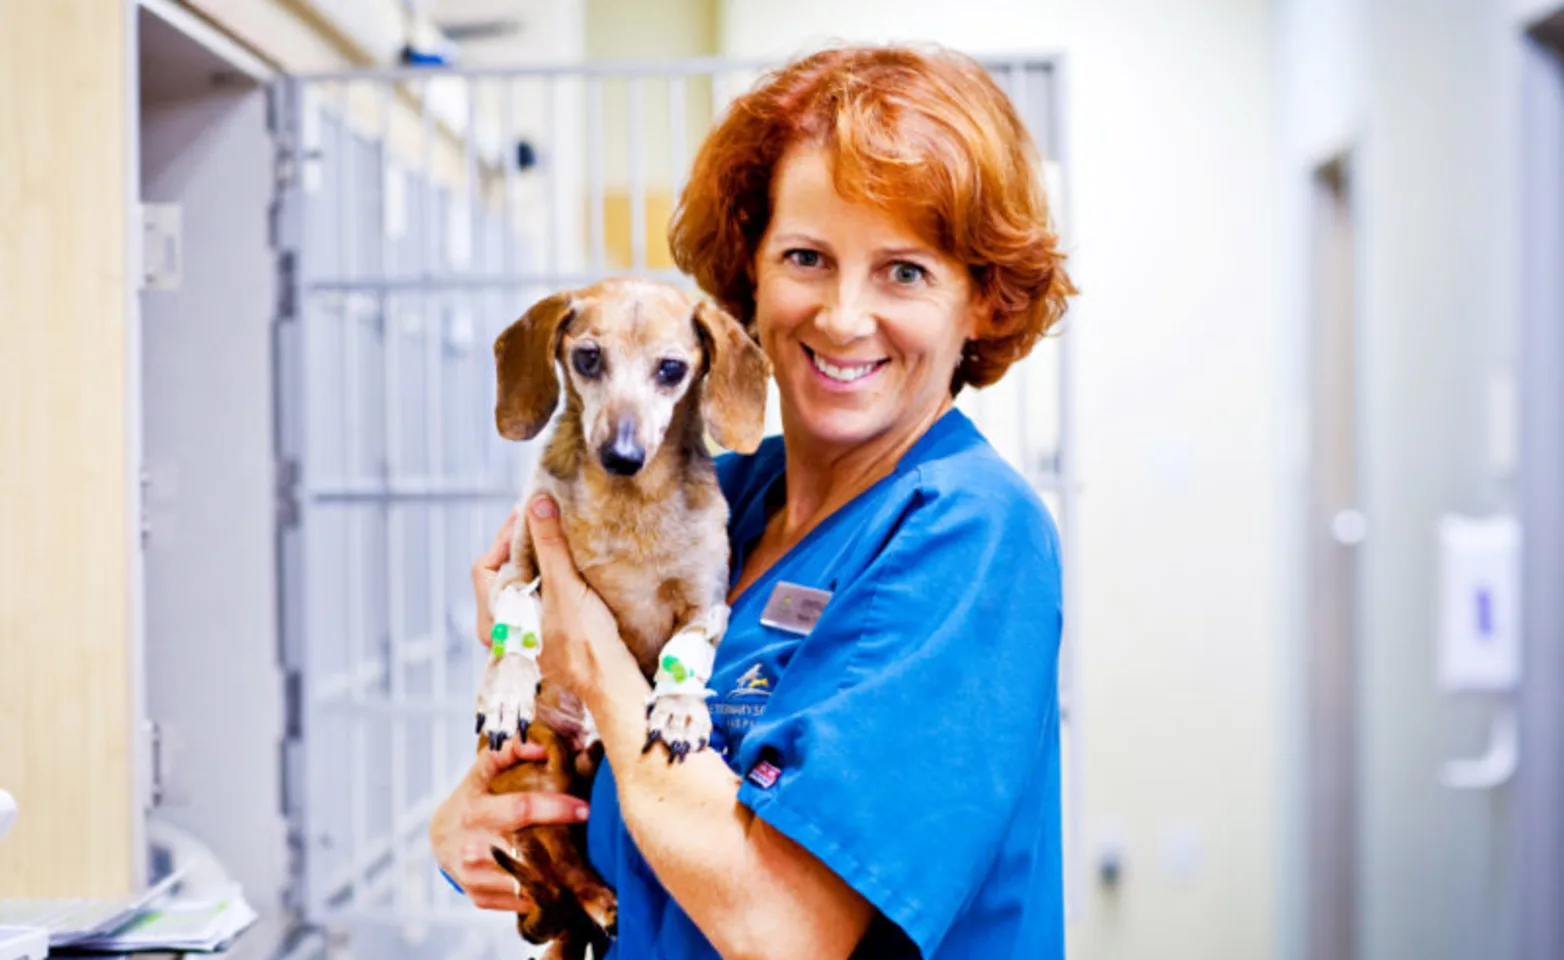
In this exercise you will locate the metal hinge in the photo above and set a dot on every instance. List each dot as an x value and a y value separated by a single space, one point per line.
274 94
288 493
157 778
144 514
162 246
287 294
293 705
290 756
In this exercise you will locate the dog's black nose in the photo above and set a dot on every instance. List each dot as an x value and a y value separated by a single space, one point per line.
622 459
623 456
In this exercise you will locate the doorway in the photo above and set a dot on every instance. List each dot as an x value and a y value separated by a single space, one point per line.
211 684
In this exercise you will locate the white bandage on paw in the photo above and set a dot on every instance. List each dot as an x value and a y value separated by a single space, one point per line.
686 660
518 621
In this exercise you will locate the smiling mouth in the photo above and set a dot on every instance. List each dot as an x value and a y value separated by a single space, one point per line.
843 373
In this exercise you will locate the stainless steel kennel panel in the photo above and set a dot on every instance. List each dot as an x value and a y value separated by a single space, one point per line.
419 212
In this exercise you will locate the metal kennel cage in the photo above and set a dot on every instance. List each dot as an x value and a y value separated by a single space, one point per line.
419 212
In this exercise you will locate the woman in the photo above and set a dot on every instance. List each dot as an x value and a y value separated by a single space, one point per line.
884 774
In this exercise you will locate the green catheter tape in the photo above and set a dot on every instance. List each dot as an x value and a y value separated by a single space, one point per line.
676 669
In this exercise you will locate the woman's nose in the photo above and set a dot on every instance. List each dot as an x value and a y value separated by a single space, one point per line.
847 316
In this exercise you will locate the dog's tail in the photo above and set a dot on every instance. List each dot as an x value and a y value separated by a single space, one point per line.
514 867
564 926
556 917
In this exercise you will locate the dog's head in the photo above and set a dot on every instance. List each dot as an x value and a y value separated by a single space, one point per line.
631 350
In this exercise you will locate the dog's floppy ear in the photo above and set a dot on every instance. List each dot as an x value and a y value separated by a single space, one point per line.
524 367
733 396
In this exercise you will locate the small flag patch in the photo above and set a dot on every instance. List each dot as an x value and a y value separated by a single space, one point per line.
764 774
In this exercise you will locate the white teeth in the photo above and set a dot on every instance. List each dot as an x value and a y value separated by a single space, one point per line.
842 374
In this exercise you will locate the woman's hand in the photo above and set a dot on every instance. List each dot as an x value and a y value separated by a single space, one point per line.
484 570
471 821
578 629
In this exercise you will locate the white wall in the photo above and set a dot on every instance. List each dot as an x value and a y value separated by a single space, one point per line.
1171 126
1426 100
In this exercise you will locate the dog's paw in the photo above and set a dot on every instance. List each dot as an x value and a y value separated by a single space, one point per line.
681 721
507 699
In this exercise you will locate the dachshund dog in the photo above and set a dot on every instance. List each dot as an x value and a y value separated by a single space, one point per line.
647 373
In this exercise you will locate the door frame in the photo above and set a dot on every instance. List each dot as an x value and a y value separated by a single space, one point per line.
1333 489
1538 866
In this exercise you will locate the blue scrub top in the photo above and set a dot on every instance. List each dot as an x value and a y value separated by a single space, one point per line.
911 740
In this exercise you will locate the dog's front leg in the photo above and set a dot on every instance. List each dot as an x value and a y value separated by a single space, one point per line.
676 712
507 697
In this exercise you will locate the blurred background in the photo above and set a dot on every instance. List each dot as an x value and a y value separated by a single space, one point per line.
1303 431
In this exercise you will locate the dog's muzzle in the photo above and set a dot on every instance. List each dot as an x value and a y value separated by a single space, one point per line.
622 456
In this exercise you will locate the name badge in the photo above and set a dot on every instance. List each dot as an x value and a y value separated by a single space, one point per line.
794 608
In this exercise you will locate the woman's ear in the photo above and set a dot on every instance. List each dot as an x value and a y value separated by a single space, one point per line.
524 367
733 394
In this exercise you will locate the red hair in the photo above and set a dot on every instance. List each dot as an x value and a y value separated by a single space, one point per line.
925 136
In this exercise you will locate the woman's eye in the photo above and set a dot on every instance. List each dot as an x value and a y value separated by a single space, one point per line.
588 361
671 372
803 258
906 273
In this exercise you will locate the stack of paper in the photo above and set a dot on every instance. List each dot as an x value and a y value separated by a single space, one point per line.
71 919
177 925
23 943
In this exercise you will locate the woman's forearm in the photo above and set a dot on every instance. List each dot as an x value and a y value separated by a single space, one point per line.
749 889
686 819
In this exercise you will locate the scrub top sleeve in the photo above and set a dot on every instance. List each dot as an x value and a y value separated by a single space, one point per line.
897 742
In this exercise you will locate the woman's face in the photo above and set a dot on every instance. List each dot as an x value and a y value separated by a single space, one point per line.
863 320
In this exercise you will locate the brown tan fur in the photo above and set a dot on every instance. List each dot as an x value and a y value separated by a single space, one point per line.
653 545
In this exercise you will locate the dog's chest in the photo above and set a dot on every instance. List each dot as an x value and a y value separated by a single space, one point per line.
632 559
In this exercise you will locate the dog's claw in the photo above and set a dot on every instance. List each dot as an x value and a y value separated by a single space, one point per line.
682 723
506 701
651 739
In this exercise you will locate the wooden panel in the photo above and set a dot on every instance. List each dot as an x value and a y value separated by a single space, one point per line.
65 661
283 32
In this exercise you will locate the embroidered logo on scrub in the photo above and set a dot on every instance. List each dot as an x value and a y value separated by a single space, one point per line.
741 705
753 681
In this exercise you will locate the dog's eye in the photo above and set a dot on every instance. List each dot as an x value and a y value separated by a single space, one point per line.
588 360
671 372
